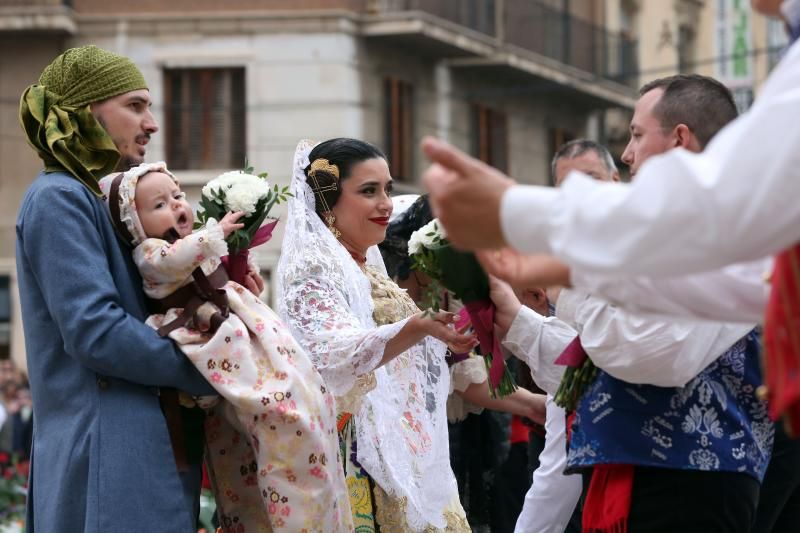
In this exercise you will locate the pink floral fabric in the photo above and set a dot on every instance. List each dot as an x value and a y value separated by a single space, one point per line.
272 440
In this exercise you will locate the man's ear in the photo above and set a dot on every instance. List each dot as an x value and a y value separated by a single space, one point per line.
684 138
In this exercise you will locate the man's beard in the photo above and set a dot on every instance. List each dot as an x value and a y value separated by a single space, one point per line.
126 163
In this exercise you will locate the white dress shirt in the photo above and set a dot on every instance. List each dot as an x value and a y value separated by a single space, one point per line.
737 201
645 349
736 293
538 341
552 498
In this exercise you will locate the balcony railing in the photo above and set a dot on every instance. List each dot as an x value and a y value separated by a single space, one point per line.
536 27
570 40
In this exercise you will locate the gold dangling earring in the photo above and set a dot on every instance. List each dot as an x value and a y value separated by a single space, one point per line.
330 218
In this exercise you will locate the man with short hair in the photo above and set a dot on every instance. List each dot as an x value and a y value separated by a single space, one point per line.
551 500
685 110
583 155
649 462
102 459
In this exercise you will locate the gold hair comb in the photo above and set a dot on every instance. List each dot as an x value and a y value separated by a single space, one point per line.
324 165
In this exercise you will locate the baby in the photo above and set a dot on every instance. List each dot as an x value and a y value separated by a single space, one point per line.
272 449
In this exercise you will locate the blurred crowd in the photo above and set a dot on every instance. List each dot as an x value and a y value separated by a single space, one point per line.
16 422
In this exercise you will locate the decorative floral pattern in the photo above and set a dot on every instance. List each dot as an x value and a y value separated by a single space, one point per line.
272 444
369 503
715 422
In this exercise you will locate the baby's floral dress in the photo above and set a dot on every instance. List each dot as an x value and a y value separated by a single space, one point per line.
272 447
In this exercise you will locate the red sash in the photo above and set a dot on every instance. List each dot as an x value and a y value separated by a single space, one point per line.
782 340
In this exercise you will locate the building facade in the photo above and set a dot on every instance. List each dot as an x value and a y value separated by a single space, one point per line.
507 80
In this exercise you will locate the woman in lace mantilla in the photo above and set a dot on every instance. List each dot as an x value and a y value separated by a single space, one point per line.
379 354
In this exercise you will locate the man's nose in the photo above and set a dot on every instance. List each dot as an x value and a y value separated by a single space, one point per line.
627 155
150 125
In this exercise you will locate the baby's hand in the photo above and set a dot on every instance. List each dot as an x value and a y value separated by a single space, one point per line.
229 224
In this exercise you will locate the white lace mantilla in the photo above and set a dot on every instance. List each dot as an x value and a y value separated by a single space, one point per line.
401 425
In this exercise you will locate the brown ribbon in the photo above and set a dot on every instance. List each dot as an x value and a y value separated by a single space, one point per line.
201 290
171 407
180 297
190 297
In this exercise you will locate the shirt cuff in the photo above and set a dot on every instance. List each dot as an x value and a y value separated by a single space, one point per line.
521 330
567 305
524 214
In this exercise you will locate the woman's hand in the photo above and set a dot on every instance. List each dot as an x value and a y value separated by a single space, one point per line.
440 326
421 325
229 222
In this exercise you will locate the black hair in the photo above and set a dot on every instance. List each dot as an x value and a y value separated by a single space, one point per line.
395 247
343 152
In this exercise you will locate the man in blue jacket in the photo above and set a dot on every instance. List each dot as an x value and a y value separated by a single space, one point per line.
102 459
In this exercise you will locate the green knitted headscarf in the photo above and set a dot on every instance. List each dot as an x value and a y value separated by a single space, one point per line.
56 115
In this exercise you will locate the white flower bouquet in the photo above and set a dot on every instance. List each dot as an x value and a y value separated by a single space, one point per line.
241 190
461 274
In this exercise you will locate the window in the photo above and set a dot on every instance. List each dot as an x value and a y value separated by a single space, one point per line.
205 118
399 136
490 136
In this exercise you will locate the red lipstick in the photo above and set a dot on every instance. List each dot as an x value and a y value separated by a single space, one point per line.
381 221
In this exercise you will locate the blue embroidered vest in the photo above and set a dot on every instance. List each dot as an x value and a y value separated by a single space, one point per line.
715 422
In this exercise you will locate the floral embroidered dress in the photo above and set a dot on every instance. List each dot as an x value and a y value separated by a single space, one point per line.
272 446
716 422
392 418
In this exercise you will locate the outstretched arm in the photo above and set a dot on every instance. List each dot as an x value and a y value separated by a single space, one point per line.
734 202
736 293
340 346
